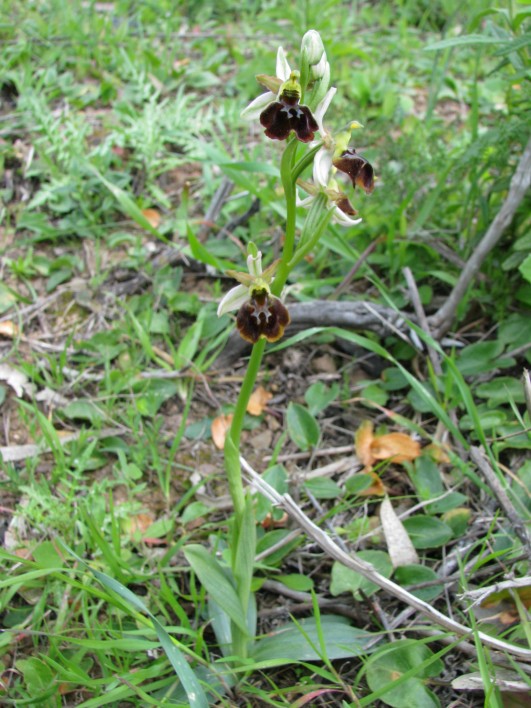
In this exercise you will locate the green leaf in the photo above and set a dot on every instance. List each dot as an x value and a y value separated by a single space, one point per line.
45 555
464 41
374 393
83 409
407 575
38 679
347 580
457 520
128 206
482 356
296 581
214 580
319 396
288 643
426 478
303 429
427 532
189 343
501 390
277 477
194 691
358 483
245 553
323 488
390 664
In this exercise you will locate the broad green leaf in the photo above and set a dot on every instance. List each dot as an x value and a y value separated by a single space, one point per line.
38 677
303 429
296 581
391 663
347 580
45 555
427 531
482 356
216 583
487 419
501 390
83 409
426 478
272 538
289 643
318 396
457 520
323 488
414 574
358 483
277 477
374 393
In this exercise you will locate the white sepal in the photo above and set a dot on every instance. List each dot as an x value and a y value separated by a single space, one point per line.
321 109
339 217
259 104
233 300
322 166
254 265
283 68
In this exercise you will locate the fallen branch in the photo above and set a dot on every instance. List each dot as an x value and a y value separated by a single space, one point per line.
442 320
352 561
478 456
362 315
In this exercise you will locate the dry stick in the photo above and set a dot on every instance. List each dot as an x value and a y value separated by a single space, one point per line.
359 315
286 502
421 316
214 210
477 455
343 285
442 320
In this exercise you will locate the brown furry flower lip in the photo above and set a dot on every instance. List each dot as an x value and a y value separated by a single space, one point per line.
357 168
281 117
262 316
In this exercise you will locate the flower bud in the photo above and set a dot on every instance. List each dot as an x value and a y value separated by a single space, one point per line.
317 71
312 48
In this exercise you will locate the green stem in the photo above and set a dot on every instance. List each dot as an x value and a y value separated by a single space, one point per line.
288 182
232 441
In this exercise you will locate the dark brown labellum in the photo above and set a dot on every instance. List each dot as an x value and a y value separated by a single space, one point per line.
281 117
357 168
262 316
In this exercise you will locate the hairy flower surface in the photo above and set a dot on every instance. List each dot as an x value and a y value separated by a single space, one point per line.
357 168
280 113
260 314
286 115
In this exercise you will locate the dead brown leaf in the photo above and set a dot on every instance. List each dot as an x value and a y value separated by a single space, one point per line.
258 401
153 216
219 428
398 446
9 329
363 441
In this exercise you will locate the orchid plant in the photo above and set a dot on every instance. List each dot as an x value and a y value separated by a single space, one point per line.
293 110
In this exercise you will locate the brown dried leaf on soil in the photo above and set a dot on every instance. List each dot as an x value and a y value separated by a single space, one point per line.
258 401
219 428
153 216
398 447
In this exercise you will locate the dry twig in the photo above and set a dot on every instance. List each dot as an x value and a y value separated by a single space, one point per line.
477 455
365 569
442 320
